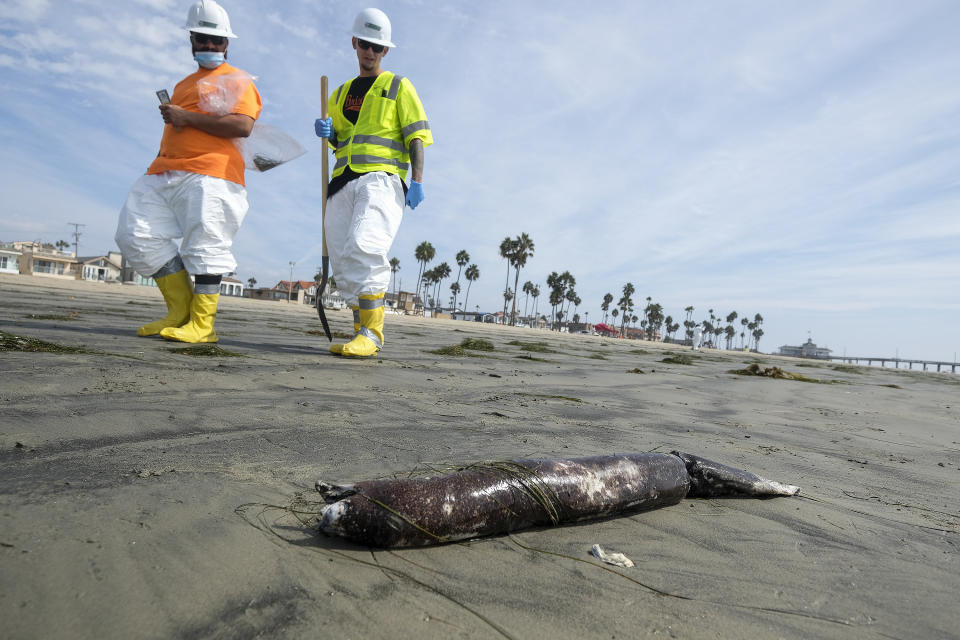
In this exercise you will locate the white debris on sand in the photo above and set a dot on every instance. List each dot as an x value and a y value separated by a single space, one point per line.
616 559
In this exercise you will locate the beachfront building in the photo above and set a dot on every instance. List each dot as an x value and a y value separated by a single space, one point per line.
100 268
297 291
43 259
231 287
405 302
266 293
807 350
9 258
300 291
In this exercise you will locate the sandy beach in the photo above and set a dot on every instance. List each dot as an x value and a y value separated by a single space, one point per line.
143 491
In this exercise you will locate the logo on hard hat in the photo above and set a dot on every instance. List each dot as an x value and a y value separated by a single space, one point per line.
204 23
370 25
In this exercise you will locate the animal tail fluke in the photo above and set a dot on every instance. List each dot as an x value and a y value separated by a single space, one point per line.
710 479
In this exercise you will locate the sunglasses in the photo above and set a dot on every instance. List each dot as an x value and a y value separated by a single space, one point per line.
203 38
363 44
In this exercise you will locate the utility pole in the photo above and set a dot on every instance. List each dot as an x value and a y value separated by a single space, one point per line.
76 238
290 288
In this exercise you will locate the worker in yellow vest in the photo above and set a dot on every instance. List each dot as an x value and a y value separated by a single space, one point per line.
378 131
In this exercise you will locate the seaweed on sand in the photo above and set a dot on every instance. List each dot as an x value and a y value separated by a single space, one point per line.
536 347
206 350
12 342
777 373
464 348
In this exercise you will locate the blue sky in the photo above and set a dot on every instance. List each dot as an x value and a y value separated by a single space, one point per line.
800 160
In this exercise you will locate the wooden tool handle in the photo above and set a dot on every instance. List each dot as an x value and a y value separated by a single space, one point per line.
325 161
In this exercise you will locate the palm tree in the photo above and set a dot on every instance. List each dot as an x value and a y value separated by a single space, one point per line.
441 272
462 259
471 274
535 292
522 249
427 278
654 314
394 267
527 288
688 323
607 299
556 299
757 332
730 331
424 253
251 282
626 305
572 298
672 330
507 297
455 290
506 250
567 283
743 331
560 285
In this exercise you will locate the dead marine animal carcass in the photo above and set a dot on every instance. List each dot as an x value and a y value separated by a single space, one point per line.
488 498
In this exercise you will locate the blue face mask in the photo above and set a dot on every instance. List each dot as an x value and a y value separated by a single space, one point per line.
209 59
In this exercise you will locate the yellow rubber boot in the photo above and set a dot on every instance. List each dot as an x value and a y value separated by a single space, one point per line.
337 348
203 311
177 292
369 340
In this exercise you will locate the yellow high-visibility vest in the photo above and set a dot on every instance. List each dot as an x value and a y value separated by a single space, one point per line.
391 116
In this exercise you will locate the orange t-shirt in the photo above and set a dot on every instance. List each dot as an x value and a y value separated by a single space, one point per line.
193 150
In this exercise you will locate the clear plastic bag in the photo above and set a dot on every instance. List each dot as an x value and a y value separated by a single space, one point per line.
218 95
267 147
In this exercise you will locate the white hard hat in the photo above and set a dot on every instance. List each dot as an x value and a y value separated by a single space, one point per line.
206 16
373 26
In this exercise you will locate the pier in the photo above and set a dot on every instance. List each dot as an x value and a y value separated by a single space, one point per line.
940 365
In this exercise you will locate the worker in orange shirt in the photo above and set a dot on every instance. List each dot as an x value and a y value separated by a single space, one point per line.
194 190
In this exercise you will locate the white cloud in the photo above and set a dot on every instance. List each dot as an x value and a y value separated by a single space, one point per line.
306 31
24 10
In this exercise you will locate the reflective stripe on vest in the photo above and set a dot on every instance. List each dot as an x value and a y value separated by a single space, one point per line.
367 159
394 88
383 142
416 126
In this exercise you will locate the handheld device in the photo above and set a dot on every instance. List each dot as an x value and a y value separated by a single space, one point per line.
164 98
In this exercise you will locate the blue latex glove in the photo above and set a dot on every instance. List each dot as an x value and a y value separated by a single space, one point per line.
324 128
414 194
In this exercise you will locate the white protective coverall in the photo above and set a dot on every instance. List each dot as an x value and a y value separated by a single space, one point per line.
162 208
362 221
